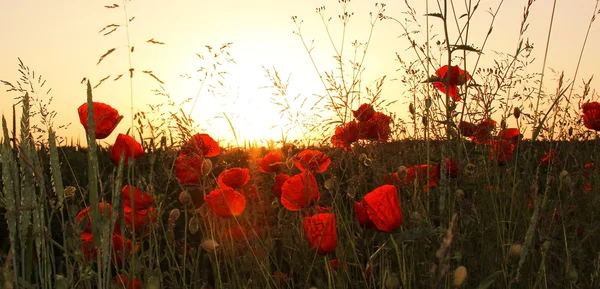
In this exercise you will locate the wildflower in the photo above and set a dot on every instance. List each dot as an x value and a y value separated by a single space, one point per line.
483 132
299 191
510 134
467 129
225 202
550 158
189 168
591 115
85 219
141 214
364 112
105 117
271 163
457 77
312 161
321 232
376 129
202 144
334 264
503 150
234 178
345 135
128 147
383 208
121 247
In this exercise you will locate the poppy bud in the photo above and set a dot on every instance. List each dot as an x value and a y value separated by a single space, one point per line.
401 170
516 112
425 121
460 194
185 198
193 225
565 179
209 245
515 250
206 166
460 275
330 183
428 102
411 109
503 124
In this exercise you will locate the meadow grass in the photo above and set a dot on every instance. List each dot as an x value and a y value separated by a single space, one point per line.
521 224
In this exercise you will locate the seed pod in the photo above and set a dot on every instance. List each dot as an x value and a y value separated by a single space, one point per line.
194 225
411 109
428 102
174 215
206 167
460 275
185 198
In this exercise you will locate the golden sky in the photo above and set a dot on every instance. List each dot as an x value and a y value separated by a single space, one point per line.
60 40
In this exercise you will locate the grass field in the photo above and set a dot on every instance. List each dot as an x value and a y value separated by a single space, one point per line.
450 195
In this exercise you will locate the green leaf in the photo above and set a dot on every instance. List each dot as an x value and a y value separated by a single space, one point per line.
489 280
464 47
438 15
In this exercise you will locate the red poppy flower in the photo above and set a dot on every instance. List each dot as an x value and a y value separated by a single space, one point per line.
121 247
362 216
250 191
510 134
321 232
141 219
105 208
334 264
121 281
503 149
452 168
202 144
550 158
127 146
105 117
364 112
299 191
383 208
377 128
457 77
591 115
345 135
280 179
271 163
225 202
483 132
188 168
420 173
391 179
467 129
311 160
234 178
141 200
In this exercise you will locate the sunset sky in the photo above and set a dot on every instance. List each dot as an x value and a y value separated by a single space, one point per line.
60 40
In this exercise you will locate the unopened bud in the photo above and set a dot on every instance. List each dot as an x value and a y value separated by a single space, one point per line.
460 275
209 245
516 112
206 167
411 109
194 225
515 250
